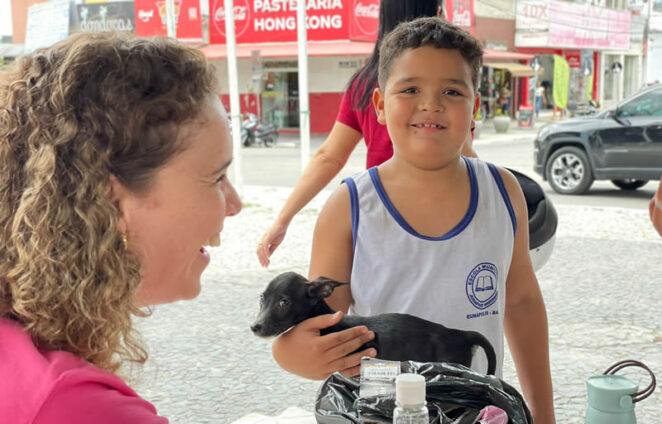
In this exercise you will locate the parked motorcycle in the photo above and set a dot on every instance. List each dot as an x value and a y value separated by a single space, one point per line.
583 109
253 132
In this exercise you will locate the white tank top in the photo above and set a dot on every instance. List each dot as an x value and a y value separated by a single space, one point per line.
457 280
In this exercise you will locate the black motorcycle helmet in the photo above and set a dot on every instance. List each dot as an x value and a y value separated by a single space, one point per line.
542 220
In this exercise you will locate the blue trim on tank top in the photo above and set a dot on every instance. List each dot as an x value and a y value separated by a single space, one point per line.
354 205
473 204
504 194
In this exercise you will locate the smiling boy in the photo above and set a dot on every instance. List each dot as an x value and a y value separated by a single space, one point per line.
429 232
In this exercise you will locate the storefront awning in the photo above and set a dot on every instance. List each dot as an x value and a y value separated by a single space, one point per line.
515 69
287 50
329 48
492 55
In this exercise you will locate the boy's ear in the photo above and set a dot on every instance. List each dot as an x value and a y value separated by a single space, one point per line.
378 103
323 287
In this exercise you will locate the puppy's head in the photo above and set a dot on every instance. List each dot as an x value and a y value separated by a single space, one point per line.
289 299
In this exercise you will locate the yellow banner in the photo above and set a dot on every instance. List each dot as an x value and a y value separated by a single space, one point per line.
589 87
96 1
561 82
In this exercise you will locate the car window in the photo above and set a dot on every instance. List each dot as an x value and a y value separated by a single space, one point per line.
650 104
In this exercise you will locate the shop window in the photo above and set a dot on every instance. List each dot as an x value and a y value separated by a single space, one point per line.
280 98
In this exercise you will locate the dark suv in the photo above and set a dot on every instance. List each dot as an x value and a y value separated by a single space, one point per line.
622 144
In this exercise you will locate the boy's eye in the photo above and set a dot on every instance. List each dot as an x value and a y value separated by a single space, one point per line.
410 90
220 179
452 92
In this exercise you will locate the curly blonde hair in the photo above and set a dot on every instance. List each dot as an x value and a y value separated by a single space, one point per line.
71 116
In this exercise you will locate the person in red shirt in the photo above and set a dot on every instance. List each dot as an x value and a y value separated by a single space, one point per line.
356 119
110 147
655 209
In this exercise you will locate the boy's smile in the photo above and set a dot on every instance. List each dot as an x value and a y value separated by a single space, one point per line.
427 104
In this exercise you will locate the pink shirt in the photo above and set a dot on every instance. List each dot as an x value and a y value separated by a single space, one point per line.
54 387
364 121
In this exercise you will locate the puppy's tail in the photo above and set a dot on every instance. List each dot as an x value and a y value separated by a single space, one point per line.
480 340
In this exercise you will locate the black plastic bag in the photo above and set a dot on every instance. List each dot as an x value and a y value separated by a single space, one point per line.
455 395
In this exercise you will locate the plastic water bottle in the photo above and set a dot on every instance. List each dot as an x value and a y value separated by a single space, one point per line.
410 400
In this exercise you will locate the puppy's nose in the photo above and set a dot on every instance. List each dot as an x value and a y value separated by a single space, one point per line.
256 327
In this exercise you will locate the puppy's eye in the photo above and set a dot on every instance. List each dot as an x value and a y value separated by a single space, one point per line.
284 303
261 299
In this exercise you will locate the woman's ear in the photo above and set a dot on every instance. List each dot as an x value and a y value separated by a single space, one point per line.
118 194
378 103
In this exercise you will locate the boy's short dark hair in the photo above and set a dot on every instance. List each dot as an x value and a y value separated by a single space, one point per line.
433 32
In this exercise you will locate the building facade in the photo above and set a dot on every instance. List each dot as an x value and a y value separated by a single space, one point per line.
601 42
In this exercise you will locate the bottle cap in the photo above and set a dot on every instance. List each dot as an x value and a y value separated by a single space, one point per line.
409 390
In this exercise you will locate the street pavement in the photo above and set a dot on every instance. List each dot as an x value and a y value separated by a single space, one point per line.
601 287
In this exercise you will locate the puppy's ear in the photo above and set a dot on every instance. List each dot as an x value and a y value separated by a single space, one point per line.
323 287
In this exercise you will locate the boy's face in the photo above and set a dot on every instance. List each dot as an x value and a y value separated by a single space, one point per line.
427 105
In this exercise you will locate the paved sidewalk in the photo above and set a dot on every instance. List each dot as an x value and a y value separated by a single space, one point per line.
601 288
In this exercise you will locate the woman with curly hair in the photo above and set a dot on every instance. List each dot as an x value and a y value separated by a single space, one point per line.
113 159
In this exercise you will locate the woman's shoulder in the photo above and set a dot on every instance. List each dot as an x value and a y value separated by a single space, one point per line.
91 396
50 384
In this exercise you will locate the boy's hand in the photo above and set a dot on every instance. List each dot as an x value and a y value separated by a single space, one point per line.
304 352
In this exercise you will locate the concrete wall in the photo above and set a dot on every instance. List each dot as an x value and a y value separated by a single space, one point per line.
325 74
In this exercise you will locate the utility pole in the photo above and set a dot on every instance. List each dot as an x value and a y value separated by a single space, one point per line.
233 83
304 111
647 31
170 18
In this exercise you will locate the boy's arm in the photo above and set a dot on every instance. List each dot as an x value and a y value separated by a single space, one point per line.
525 317
302 350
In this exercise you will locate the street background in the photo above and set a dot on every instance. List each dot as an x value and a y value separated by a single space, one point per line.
601 288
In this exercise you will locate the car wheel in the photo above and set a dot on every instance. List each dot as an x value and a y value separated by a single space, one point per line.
568 171
629 184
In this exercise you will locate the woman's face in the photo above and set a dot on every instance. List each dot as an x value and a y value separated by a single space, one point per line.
183 211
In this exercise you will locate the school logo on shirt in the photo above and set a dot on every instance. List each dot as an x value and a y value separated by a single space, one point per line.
482 285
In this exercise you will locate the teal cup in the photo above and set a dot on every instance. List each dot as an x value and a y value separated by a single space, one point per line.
611 398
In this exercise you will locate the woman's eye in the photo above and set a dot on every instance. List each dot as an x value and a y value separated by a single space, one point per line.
220 179
284 303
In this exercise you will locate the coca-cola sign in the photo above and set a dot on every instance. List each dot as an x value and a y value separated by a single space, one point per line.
242 13
365 20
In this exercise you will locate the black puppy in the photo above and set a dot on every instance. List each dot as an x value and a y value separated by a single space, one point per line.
290 298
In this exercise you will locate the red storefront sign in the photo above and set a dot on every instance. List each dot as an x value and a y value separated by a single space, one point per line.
364 18
574 58
262 21
151 19
461 13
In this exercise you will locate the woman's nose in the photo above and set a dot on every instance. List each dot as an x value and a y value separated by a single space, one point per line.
232 201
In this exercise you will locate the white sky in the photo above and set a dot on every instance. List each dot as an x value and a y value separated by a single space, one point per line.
5 17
